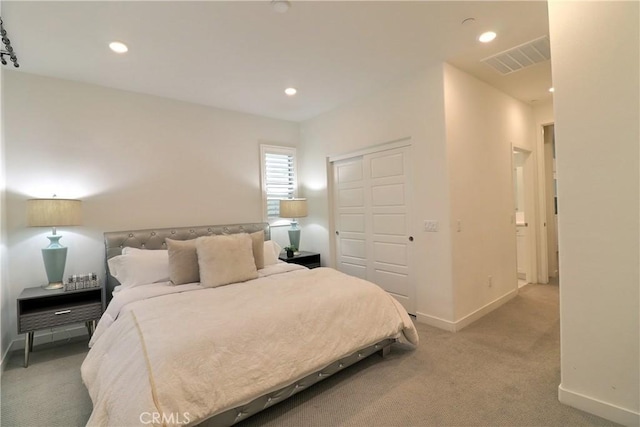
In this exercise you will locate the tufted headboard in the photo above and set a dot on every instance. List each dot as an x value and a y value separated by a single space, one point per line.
114 241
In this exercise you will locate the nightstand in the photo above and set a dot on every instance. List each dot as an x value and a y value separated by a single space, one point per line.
308 259
39 308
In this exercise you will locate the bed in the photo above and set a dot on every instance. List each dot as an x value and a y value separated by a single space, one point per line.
241 338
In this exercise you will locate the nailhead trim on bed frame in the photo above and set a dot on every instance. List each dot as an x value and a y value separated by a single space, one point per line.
235 415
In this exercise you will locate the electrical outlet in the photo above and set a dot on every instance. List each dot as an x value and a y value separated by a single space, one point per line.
431 226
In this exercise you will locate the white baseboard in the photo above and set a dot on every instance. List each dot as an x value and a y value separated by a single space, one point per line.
488 308
5 358
597 407
450 326
437 322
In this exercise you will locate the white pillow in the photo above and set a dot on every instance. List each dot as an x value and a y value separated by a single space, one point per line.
137 267
271 252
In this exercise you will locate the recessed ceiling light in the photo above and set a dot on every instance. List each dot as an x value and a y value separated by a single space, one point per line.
118 47
290 91
551 90
487 37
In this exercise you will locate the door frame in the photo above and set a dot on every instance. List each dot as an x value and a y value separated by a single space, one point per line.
530 209
541 203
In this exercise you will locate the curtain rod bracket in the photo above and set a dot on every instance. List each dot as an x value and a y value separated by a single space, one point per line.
8 50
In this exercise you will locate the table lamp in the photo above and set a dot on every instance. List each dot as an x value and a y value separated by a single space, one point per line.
54 213
293 208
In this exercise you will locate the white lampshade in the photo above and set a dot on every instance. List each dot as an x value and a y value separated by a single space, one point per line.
53 212
293 208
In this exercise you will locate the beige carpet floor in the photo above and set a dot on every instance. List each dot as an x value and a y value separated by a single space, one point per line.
503 370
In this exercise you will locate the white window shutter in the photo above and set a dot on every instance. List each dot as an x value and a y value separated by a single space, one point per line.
278 178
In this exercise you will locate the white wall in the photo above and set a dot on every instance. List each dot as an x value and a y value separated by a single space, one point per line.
136 161
543 113
482 124
413 108
461 172
595 50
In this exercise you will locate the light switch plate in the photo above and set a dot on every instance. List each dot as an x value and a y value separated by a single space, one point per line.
431 225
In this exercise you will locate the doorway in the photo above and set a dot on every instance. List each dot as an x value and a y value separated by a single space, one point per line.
524 207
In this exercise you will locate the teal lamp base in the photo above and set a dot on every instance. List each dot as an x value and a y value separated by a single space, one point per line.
294 235
55 258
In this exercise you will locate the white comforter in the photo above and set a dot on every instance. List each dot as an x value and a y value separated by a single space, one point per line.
190 355
122 297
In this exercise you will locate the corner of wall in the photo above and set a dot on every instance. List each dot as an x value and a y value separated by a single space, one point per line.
598 228
5 342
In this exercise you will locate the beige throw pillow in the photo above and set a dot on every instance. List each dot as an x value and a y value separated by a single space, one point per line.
225 259
258 248
183 261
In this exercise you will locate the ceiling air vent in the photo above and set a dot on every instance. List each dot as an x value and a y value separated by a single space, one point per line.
520 57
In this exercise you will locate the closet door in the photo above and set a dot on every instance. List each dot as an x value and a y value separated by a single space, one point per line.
371 198
349 217
389 240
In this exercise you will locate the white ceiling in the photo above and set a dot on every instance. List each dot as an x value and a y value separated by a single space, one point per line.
241 55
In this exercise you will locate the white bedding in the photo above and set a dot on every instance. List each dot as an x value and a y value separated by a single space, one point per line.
124 296
198 352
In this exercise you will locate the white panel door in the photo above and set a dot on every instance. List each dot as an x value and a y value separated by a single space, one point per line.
371 215
390 241
349 217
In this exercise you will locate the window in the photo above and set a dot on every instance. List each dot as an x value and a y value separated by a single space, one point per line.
278 167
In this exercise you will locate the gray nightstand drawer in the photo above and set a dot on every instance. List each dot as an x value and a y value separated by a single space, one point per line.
59 316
